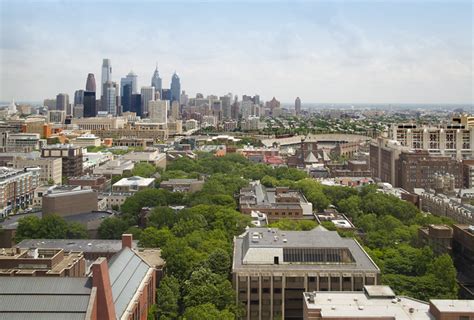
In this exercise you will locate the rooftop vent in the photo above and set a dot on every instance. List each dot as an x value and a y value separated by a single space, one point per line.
285 240
361 308
411 310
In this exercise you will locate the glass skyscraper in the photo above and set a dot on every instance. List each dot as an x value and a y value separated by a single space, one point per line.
175 88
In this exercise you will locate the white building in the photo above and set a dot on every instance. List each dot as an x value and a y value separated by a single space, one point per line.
191 124
158 111
148 94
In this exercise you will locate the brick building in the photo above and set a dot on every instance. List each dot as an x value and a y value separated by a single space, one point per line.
71 158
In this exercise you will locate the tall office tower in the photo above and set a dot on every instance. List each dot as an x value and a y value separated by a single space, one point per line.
298 106
158 111
78 97
90 83
148 94
131 79
184 98
175 87
235 109
136 104
226 105
166 94
62 101
106 77
156 81
90 109
127 97
109 98
175 112
106 71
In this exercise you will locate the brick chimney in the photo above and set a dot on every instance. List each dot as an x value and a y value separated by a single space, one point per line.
101 280
127 240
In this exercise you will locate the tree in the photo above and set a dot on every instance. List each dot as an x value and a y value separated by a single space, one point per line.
207 311
49 227
143 169
294 225
219 262
154 238
161 217
168 294
112 228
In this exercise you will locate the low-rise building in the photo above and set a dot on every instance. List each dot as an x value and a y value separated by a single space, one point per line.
122 288
438 237
133 184
150 156
114 199
69 202
117 167
276 203
272 268
86 140
381 303
182 185
34 262
96 182
23 142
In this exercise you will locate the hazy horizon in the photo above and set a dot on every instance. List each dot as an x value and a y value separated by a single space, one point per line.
354 52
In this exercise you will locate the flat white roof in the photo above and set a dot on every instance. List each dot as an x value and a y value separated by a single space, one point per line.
454 305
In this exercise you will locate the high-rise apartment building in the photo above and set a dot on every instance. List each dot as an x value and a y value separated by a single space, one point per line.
454 140
175 88
298 106
226 106
62 101
147 95
90 107
156 81
90 83
158 111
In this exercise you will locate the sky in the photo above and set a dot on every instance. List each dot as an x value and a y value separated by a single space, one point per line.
404 51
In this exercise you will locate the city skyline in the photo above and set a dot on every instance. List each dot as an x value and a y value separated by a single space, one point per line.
364 52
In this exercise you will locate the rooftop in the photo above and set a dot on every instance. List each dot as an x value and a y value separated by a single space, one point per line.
134 181
42 298
84 245
454 305
355 305
258 248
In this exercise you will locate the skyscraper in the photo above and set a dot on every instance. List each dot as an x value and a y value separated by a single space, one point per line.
90 109
158 111
106 71
127 97
298 105
106 77
90 83
130 78
175 87
110 97
78 97
136 104
156 81
62 101
148 94
175 110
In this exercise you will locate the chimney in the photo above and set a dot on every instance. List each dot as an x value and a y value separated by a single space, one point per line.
127 240
101 281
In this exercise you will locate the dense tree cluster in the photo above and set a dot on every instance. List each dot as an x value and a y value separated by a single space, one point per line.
49 227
